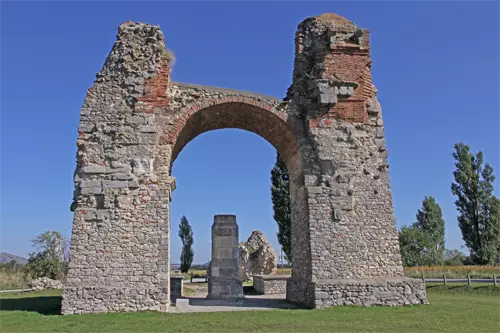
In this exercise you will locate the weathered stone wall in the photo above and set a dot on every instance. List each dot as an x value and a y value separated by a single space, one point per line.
329 130
351 220
389 291
270 284
120 238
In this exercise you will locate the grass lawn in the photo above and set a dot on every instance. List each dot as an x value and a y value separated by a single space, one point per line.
454 308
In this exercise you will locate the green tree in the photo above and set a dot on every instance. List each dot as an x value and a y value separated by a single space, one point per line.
52 244
12 264
186 235
454 258
280 193
430 221
41 265
49 260
478 209
422 243
412 242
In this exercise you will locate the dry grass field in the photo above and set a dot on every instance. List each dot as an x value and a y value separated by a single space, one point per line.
10 280
485 272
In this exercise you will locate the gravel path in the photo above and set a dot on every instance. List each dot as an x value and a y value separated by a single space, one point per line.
196 301
249 303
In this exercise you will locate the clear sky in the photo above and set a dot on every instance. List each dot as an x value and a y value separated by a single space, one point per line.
436 65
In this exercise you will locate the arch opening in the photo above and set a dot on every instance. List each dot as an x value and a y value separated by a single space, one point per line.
245 117
275 130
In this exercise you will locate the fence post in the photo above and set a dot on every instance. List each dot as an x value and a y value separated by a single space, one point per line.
468 279
444 279
423 278
494 280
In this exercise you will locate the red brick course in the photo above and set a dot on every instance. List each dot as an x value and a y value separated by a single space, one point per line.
350 64
155 90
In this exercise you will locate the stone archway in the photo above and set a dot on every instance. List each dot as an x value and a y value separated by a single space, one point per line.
329 130
216 108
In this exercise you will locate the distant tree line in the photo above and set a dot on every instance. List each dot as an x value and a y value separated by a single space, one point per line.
12 266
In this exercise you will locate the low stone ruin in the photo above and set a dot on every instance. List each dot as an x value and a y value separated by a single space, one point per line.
257 256
45 283
270 284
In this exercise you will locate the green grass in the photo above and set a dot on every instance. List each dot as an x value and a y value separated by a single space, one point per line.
453 309
459 288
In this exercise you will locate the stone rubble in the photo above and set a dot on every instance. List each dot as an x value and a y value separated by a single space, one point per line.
256 256
45 283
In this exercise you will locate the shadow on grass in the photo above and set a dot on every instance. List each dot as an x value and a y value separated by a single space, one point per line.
465 289
447 287
46 305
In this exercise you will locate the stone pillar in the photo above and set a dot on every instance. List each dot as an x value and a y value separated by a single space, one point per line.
354 253
224 282
120 239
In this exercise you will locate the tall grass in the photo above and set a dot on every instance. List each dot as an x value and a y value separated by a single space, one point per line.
10 279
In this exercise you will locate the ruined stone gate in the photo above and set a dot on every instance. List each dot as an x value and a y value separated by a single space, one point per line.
329 130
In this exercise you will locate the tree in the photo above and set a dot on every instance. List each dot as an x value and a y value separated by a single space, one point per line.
40 265
12 264
422 243
280 193
186 235
49 260
478 209
412 242
52 244
454 258
430 221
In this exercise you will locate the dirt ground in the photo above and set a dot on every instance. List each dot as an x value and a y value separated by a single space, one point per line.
197 289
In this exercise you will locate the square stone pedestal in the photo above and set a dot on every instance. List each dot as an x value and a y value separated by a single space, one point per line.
224 281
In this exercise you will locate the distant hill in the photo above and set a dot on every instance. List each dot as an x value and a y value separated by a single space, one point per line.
7 257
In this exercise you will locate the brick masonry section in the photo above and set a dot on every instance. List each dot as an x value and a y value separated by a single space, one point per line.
329 130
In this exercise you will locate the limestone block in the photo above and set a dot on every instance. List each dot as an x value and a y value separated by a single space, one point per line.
256 256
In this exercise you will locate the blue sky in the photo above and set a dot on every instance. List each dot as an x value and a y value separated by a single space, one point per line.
436 65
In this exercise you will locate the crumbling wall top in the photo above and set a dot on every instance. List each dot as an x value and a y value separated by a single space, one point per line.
335 20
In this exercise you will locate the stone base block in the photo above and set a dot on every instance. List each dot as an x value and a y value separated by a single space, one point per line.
382 291
223 288
101 300
300 292
176 287
270 284
182 303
